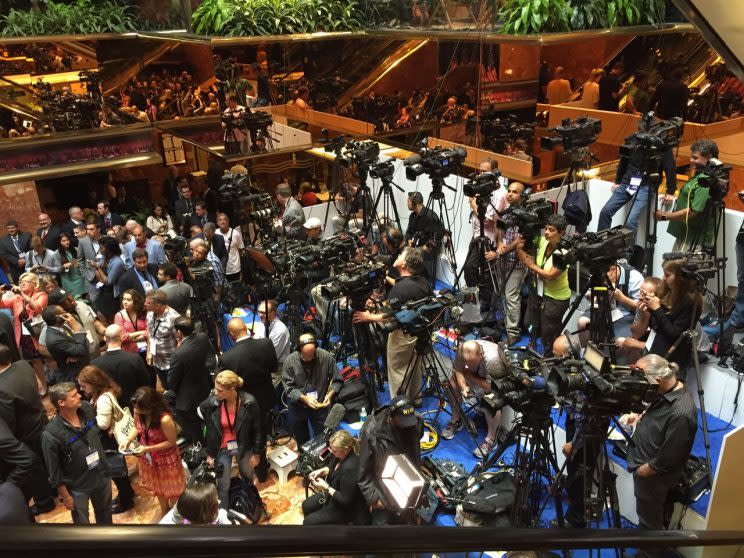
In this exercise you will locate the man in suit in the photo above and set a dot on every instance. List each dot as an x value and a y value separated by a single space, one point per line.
13 248
76 218
7 336
142 276
106 219
89 250
125 368
188 378
140 239
16 465
179 293
66 342
254 360
121 203
23 413
48 232
215 242
172 187
293 217
200 217
183 210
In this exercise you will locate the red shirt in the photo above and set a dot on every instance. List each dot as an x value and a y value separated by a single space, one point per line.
227 421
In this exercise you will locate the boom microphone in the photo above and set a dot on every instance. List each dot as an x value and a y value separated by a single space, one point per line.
335 416
679 255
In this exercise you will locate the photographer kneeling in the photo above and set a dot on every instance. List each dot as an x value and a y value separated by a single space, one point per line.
338 499
232 422
477 362
551 296
663 439
411 285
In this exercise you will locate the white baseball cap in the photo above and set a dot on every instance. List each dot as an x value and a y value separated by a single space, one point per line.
312 223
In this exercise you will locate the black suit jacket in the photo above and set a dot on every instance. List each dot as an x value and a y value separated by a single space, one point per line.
10 254
51 240
63 347
254 360
68 227
130 280
126 369
7 336
196 220
179 211
20 406
189 376
217 245
116 219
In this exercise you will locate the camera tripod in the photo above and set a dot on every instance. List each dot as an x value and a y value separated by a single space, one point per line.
233 146
534 462
424 354
581 158
386 198
436 204
600 314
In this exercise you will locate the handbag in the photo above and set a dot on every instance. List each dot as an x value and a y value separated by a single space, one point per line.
122 426
33 324
245 499
117 464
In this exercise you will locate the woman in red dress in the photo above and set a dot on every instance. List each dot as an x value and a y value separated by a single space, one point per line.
159 459
133 321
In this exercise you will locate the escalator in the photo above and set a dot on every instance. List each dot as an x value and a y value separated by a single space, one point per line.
19 99
115 73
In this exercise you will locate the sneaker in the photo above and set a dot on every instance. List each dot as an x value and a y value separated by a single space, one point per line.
482 451
452 426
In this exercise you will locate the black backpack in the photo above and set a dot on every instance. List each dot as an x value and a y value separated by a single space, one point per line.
577 209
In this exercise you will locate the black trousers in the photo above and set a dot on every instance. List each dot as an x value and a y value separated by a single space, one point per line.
475 276
551 318
191 425
327 513
652 499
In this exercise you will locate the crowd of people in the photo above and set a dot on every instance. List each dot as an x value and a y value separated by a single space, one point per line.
123 337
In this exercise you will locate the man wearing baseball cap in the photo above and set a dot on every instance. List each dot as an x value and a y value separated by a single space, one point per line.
393 429
313 231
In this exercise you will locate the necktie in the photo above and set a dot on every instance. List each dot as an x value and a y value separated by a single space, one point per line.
107 222
43 234
204 220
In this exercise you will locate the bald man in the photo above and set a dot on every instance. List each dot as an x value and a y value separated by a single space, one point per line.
125 368
477 363
48 232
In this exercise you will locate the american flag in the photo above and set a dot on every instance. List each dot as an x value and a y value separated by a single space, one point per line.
488 70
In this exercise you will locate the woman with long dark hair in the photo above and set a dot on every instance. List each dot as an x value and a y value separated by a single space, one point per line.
104 393
160 222
107 273
159 459
677 310
71 279
133 321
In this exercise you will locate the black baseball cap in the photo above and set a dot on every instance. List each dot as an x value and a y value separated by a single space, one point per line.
57 296
403 411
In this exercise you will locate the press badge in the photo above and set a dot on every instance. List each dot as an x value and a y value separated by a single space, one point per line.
141 346
148 458
616 314
92 459
232 447
147 286
313 394
99 285
650 340
540 286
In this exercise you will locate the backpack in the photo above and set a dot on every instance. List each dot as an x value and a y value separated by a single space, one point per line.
577 210
245 499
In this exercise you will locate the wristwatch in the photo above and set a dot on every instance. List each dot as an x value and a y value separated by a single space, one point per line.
663 217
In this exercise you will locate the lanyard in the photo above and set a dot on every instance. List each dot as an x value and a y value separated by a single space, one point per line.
230 425
145 277
125 314
35 256
14 240
155 329
79 435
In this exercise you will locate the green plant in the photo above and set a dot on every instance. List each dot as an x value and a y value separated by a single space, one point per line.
58 18
588 14
623 12
211 15
536 16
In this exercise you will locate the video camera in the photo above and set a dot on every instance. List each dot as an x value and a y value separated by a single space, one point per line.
595 250
607 390
699 266
525 388
383 170
652 138
176 249
437 162
418 317
263 207
529 218
482 185
716 177
363 153
233 188
573 134
356 281
339 248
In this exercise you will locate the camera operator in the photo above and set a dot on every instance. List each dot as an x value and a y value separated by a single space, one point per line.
354 203
510 271
424 231
663 439
235 138
630 180
393 429
393 244
310 379
550 297
400 345
474 276
205 271
477 362
292 217
338 499
689 225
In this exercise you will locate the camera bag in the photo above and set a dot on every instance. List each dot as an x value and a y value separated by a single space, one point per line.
245 499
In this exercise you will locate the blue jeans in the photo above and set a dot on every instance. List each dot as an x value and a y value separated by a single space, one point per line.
736 320
223 482
619 198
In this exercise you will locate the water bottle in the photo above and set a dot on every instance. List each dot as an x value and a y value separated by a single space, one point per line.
363 414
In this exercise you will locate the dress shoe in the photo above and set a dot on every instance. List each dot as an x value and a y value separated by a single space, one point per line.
118 508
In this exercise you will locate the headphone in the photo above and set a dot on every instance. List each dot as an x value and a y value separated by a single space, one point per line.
391 239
